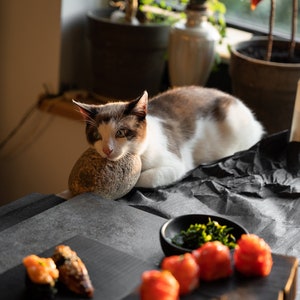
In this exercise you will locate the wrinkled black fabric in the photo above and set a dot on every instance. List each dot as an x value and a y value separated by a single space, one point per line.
259 188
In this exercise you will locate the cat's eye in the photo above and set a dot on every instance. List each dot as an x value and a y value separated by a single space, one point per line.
121 133
97 135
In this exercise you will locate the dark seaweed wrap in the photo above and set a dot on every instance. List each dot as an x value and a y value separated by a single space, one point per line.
38 291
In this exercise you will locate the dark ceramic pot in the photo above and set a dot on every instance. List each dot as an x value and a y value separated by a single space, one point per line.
126 59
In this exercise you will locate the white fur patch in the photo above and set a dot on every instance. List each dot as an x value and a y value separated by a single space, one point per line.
211 141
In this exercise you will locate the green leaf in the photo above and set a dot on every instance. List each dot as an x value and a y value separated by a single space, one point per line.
198 234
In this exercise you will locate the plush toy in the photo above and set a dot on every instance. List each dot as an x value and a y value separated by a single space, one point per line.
108 179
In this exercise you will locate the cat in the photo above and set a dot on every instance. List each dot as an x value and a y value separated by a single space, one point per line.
173 132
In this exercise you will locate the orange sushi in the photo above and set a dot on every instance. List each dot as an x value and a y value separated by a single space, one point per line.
41 276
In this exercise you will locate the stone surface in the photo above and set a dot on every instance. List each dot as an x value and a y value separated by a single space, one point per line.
118 225
108 179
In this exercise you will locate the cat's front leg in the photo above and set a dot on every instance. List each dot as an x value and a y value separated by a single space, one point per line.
159 176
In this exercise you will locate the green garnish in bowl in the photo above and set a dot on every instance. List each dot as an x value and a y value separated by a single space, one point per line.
198 234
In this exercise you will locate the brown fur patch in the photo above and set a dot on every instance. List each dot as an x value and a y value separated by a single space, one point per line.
179 104
173 135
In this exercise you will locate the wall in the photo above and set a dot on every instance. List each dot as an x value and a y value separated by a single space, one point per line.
34 40
74 66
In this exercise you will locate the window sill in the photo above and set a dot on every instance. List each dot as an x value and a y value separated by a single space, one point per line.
233 36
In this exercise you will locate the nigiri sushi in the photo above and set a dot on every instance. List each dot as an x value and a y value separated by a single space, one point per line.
72 271
41 277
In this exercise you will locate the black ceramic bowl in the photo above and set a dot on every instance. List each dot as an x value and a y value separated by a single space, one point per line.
174 226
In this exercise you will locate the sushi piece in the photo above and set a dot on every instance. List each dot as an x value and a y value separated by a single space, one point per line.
41 275
159 285
72 271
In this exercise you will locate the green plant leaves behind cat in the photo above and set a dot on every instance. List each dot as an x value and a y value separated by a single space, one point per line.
170 11
217 11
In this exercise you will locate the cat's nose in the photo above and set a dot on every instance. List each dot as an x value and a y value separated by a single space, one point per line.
107 150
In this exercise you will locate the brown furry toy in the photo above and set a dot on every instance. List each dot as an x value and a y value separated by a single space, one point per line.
108 179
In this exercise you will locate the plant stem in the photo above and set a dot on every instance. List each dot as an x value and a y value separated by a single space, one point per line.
293 29
131 10
271 25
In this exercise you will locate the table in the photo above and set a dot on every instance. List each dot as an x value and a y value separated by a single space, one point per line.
127 236
80 223
258 188
111 223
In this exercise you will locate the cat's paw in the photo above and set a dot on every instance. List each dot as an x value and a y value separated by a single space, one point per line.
146 181
156 177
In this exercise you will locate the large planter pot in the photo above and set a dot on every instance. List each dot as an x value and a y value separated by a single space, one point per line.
269 88
126 59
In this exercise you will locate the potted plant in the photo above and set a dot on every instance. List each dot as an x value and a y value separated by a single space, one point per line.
264 73
129 45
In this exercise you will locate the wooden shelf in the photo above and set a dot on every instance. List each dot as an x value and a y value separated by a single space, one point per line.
63 106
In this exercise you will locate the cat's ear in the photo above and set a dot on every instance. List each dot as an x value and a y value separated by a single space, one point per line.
139 107
86 110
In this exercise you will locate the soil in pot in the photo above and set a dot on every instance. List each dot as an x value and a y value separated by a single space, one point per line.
278 55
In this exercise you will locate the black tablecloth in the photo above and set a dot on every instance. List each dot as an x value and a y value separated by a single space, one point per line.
259 188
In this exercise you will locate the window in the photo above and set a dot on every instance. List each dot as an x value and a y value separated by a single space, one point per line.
239 14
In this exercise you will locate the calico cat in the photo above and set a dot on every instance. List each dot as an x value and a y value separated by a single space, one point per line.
173 132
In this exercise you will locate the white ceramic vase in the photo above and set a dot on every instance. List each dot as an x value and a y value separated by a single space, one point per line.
192 48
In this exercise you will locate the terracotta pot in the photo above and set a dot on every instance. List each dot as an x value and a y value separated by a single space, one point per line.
269 88
126 59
